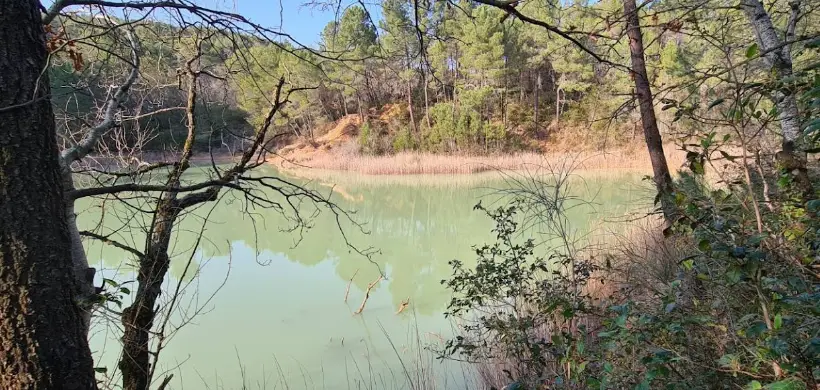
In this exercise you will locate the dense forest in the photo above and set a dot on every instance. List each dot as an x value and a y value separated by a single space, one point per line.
439 76
156 113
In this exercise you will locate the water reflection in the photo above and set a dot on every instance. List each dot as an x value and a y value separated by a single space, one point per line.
284 301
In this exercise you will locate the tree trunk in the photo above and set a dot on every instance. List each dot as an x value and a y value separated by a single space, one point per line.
455 84
654 143
426 102
344 103
777 54
330 114
371 93
410 108
557 103
504 97
138 319
504 104
359 106
43 344
536 102
410 91
83 274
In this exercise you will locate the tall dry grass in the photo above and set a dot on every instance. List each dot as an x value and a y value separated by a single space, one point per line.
636 261
417 163
412 364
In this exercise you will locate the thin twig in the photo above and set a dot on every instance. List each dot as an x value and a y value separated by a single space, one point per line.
347 291
367 294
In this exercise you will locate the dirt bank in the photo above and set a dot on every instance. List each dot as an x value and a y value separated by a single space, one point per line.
337 150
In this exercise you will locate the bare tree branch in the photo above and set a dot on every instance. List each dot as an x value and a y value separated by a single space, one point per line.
135 187
791 26
241 166
85 146
114 243
53 11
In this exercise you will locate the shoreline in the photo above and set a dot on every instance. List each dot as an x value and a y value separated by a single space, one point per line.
328 163
430 164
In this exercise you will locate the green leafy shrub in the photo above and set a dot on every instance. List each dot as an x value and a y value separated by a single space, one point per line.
521 314
742 312
519 115
404 140
737 309
462 129
369 139
440 136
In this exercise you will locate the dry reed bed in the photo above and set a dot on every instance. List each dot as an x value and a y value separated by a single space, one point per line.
436 164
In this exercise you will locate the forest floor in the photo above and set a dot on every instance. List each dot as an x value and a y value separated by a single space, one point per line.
338 150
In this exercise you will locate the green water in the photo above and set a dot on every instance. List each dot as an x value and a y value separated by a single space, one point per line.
261 311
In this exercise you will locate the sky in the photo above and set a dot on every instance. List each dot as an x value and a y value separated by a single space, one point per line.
303 23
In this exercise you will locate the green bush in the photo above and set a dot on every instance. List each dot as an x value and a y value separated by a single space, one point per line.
743 311
404 140
526 315
528 305
462 129
738 310
735 305
367 138
519 115
437 137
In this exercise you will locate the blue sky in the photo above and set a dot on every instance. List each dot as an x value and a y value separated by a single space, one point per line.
304 23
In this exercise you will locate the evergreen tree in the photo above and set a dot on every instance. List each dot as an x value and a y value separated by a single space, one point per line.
353 41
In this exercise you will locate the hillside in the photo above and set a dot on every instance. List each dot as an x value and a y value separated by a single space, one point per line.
473 86
347 144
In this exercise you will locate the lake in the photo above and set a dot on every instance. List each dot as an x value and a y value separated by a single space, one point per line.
262 307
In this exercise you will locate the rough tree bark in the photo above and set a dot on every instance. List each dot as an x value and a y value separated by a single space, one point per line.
654 143
777 54
42 342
